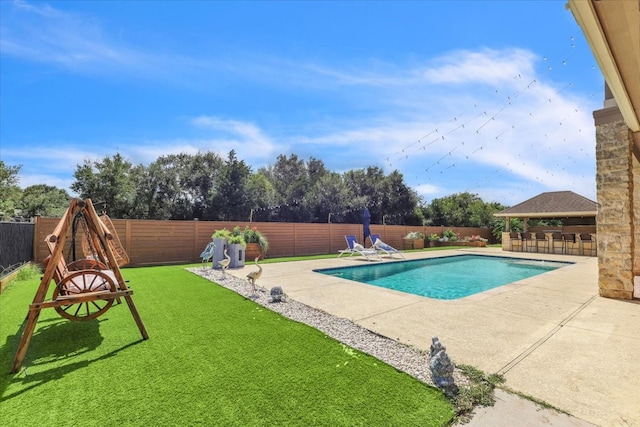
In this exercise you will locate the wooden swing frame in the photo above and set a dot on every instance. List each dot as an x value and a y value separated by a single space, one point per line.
110 283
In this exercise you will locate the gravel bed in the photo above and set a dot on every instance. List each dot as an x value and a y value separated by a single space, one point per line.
407 359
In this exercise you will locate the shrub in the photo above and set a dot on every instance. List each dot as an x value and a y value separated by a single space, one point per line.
236 237
414 235
451 235
252 235
221 234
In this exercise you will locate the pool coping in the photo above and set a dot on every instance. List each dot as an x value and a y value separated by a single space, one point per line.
478 295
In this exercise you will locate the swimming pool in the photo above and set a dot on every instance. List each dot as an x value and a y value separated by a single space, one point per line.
446 278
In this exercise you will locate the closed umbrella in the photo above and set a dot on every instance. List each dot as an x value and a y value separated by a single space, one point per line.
365 225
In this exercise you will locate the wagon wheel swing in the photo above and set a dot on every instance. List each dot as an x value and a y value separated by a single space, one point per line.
84 288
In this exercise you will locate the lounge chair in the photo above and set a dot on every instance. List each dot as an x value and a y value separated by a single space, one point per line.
379 245
207 254
353 247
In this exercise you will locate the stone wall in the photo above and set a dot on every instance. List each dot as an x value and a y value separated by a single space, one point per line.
618 230
636 223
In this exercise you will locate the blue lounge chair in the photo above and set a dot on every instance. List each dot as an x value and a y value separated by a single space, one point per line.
353 247
207 254
379 245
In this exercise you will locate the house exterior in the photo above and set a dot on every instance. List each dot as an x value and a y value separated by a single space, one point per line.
612 29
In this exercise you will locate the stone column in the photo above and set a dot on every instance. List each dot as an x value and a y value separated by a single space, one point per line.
617 221
635 162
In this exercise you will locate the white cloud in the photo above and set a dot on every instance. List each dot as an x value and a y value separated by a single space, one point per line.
488 66
427 189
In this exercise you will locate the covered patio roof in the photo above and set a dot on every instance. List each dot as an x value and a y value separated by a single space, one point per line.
555 204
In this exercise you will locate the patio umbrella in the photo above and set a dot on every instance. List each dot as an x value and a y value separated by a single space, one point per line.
365 225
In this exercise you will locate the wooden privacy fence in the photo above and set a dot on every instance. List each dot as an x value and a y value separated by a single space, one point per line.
150 242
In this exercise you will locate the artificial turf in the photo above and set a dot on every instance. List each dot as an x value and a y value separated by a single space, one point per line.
213 358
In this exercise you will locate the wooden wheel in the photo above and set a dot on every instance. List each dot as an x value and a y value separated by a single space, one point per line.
84 282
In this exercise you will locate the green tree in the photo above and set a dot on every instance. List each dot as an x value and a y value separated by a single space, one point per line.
44 200
9 190
110 181
261 195
292 183
232 199
366 188
329 195
179 186
461 210
400 200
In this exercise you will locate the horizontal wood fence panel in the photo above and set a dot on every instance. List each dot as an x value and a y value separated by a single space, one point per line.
150 242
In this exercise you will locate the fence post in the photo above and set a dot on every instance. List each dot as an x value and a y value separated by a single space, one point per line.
127 237
36 227
196 233
295 239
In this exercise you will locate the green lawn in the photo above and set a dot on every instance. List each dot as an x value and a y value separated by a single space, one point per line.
213 358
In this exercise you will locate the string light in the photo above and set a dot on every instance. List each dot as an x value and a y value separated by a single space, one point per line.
468 150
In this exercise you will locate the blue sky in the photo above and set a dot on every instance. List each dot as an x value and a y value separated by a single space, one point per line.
495 98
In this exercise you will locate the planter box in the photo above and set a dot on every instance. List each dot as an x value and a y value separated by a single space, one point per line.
253 251
218 252
474 244
236 252
412 244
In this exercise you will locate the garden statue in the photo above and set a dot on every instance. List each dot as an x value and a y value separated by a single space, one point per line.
277 295
255 275
224 264
442 368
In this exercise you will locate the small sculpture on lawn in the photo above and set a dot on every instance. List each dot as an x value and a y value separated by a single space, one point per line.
442 369
255 275
224 264
277 295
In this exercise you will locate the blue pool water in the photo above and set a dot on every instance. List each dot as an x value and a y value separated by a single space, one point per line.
446 277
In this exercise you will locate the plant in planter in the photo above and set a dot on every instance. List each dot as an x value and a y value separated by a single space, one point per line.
413 240
413 235
432 239
237 247
221 241
221 234
476 240
237 236
450 235
257 243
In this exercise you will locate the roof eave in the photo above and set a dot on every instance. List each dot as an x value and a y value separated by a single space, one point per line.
546 214
587 18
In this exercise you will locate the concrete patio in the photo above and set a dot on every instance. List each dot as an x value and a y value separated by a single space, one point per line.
551 336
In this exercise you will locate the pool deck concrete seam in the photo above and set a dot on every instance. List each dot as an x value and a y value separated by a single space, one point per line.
513 363
402 307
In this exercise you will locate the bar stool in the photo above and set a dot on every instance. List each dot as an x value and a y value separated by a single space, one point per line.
527 241
541 237
556 238
568 238
586 239
514 237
